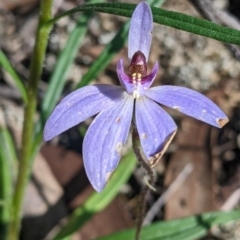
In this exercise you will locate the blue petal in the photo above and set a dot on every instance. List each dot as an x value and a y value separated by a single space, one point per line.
80 105
148 80
140 32
124 79
189 102
155 127
104 141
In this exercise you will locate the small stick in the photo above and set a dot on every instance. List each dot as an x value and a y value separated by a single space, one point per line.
232 201
168 193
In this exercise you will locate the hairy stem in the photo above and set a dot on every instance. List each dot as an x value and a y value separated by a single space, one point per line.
151 180
29 111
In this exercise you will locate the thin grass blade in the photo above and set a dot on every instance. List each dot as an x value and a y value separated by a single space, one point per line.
8 165
169 18
4 62
190 228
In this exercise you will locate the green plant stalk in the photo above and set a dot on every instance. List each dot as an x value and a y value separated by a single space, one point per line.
29 111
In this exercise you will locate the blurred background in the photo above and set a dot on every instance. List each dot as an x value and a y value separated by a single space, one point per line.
58 182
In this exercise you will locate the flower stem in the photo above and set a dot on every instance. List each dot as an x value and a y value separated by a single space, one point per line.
29 111
151 180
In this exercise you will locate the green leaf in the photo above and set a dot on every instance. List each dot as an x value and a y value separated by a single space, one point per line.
8 165
9 68
191 228
98 201
169 18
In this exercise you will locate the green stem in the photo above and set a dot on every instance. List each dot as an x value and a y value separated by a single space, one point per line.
151 180
27 134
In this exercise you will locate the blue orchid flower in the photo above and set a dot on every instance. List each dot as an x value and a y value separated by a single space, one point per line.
118 106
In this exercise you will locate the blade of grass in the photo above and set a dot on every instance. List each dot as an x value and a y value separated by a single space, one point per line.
8 150
98 201
8 164
4 62
189 234
188 228
169 18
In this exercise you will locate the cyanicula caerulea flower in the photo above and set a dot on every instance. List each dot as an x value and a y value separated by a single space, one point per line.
118 106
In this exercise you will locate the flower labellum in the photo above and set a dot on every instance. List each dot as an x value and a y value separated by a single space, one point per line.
107 134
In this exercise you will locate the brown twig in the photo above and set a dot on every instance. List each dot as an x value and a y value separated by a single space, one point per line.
232 201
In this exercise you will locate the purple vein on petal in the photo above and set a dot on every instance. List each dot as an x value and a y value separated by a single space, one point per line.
155 127
140 32
104 140
124 79
80 105
189 102
149 79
